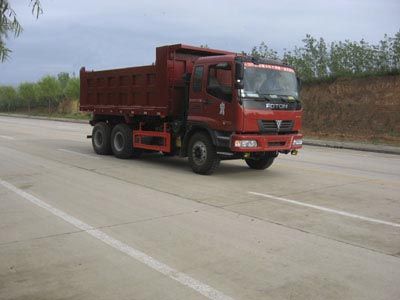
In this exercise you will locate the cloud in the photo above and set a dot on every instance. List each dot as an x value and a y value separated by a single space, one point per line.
107 34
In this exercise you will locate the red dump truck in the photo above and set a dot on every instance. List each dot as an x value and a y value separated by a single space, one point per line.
205 104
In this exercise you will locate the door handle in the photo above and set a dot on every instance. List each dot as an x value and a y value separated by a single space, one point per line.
202 101
207 101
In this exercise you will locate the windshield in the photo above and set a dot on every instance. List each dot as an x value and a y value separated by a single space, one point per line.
262 80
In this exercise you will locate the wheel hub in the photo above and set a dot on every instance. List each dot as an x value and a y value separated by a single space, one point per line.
98 139
199 153
119 141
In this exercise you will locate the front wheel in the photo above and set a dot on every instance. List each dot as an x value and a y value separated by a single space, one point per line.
202 154
260 163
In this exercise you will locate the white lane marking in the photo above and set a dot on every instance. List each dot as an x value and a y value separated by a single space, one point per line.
149 261
78 153
330 210
7 137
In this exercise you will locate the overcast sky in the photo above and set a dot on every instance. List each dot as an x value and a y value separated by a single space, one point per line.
102 34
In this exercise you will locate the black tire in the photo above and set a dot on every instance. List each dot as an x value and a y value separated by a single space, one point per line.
260 163
202 154
101 139
122 142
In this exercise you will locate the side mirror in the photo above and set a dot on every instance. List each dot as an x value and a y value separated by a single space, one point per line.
299 84
186 77
239 85
239 71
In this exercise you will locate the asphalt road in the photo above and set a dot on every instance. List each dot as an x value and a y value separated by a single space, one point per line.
322 225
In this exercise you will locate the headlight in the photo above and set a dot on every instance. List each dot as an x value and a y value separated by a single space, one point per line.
297 142
246 144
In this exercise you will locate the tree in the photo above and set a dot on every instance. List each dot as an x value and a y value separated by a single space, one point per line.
263 51
8 98
27 92
316 60
72 89
395 51
9 24
63 78
49 90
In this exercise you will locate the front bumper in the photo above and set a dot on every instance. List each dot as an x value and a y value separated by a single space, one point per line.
266 143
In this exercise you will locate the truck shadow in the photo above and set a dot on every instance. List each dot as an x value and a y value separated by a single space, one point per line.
157 161
181 164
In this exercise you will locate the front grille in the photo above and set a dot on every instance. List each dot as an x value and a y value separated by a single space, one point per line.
271 126
276 144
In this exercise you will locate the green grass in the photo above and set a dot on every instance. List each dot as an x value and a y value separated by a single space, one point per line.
55 115
76 116
373 139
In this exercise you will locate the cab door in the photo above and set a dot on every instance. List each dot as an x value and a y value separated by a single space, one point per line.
197 95
211 96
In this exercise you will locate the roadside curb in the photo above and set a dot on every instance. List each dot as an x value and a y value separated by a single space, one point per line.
45 118
353 146
309 142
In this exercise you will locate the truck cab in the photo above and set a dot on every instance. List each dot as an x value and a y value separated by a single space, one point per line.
250 107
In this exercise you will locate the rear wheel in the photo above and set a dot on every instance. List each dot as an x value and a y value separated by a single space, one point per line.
101 138
122 142
202 154
260 163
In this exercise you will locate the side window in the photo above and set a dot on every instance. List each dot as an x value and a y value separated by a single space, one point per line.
198 78
219 82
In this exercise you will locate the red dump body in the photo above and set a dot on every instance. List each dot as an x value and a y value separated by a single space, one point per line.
156 89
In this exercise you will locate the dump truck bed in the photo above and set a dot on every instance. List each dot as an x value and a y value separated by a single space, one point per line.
157 89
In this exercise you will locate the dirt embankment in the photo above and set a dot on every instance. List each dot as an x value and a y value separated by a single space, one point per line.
359 109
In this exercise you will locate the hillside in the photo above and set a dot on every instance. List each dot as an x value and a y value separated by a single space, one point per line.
361 109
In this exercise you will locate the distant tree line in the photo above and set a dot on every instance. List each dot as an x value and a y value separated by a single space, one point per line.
316 59
47 92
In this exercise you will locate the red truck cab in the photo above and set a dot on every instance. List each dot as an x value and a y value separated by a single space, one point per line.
204 104
253 102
